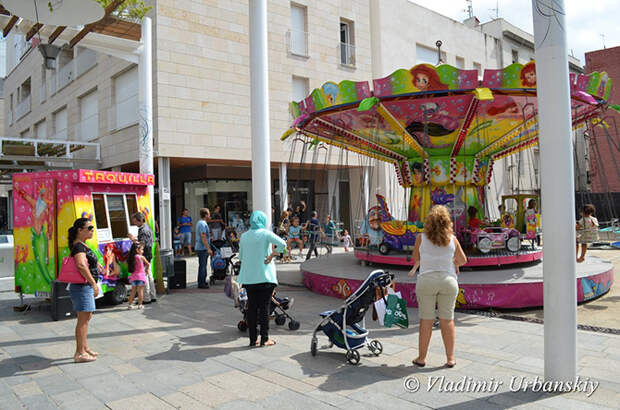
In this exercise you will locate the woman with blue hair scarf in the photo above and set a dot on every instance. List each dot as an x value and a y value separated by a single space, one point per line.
258 274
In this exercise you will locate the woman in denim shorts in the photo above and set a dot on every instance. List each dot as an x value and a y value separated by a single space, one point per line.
83 296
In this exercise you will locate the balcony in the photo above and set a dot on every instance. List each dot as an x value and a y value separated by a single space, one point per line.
297 43
22 108
347 54
43 93
65 76
86 60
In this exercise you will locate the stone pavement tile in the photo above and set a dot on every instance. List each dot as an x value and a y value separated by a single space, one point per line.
80 371
211 395
236 363
41 368
141 402
26 389
184 402
79 400
11 402
53 385
598 362
331 398
561 402
284 381
240 405
525 364
58 351
288 399
38 402
377 397
244 385
125 369
110 388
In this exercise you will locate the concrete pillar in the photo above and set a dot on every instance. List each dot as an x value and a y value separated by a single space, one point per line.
283 188
558 201
259 108
333 189
165 222
145 104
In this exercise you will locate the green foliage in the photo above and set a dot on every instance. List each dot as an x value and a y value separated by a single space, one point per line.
130 9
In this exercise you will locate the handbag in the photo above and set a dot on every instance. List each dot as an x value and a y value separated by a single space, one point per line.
69 272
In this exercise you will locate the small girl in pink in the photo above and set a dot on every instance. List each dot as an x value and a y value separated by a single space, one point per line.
138 266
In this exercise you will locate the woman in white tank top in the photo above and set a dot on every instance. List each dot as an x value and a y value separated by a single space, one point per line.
438 254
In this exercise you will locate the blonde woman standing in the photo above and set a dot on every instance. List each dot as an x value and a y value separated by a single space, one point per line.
438 254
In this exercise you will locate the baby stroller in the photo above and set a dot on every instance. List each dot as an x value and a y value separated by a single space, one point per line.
334 322
221 260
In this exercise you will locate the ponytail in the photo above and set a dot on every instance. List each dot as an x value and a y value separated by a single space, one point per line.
73 231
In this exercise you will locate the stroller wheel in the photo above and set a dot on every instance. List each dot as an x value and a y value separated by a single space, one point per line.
313 346
280 320
376 347
353 356
242 326
293 325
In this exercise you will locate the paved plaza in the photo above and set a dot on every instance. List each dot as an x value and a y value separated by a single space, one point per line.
185 352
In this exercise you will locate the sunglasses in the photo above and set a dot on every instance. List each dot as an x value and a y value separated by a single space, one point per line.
90 228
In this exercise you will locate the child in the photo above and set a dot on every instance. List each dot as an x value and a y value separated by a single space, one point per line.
138 266
111 268
473 223
294 235
346 239
177 241
587 230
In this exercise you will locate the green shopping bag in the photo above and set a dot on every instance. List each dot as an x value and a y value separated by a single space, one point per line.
396 312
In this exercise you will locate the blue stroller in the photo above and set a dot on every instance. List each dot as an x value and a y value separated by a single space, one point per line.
342 326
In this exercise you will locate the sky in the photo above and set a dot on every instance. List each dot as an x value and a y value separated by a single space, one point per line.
586 19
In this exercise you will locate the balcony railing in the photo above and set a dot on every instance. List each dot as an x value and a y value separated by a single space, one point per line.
43 93
297 43
347 54
86 59
22 108
65 75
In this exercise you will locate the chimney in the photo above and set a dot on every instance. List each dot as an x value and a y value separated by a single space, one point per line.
472 22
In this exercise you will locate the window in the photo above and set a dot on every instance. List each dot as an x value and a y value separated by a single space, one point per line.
88 128
40 130
515 56
347 43
300 88
60 124
425 55
478 68
298 35
126 98
112 215
460 63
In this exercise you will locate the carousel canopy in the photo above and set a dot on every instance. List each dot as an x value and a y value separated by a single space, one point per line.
439 125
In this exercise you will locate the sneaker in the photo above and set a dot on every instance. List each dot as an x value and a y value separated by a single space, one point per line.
129 307
140 307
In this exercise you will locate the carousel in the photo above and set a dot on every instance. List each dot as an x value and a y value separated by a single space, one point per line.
442 129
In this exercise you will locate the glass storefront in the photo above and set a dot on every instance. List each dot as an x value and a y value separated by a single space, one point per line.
233 196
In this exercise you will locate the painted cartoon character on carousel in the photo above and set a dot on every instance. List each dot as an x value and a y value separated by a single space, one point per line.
41 229
371 231
528 75
425 78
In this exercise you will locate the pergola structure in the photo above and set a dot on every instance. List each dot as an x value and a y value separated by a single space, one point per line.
110 35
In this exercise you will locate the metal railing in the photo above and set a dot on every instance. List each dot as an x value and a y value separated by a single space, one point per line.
22 108
347 54
86 59
43 93
297 43
65 75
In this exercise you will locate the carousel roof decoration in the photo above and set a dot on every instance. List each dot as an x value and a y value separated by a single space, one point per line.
439 124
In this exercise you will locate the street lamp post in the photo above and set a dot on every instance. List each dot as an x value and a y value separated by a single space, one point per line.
557 190
259 108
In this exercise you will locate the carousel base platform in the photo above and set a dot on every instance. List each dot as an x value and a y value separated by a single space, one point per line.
516 286
493 258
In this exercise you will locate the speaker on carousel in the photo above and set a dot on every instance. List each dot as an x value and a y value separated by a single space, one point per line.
179 280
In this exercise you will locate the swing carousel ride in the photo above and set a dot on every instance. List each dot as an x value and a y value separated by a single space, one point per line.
442 129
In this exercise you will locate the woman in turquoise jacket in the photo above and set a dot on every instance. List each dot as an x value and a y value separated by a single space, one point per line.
258 274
